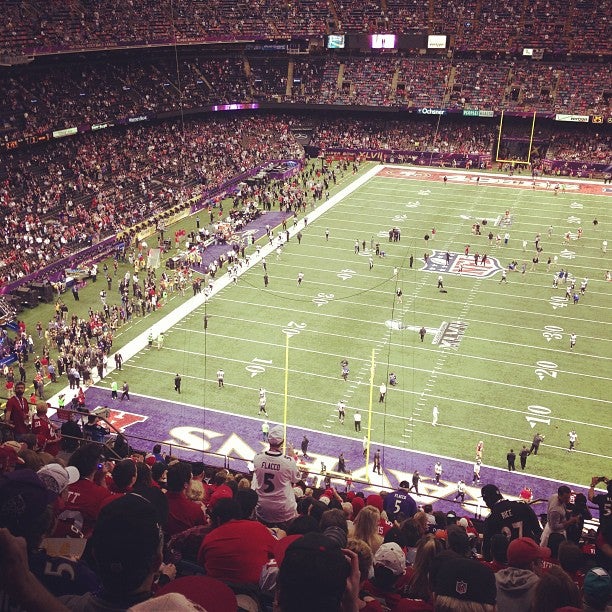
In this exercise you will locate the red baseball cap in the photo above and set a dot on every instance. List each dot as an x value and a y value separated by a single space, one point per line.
210 593
523 551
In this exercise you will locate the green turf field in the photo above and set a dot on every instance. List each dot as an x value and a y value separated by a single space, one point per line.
507 373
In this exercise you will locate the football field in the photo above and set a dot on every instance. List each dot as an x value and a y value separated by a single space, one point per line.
495 358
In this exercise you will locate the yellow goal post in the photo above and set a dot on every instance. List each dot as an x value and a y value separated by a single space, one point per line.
499 140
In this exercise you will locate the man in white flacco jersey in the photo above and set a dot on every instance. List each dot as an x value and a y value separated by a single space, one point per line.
273 479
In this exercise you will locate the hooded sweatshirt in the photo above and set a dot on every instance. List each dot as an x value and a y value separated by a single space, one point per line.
515 589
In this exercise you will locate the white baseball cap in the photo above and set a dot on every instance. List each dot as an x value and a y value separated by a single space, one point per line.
56 477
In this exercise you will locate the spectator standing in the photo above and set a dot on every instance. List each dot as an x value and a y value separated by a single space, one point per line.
315 559
17 413
604 532
556 514
512 518
47 438
273 478
400 501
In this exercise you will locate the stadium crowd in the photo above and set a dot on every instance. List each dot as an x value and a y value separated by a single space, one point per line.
146 525
544 24
67 195
49 96
151 532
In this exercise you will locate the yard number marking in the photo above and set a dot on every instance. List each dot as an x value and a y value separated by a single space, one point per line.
541 411
553 332
323 298
346 274
546 368
292 328
255 367
556 301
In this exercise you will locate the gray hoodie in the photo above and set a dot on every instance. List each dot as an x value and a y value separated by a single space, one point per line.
515 589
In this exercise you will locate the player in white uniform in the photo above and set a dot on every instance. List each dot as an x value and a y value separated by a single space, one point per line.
435 413
438 471
263 400
273 479
573 436
341 411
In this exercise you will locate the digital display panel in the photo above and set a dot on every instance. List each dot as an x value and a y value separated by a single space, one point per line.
335 41
436 41
382 41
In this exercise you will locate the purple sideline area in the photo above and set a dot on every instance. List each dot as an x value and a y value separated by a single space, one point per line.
256 227
227 434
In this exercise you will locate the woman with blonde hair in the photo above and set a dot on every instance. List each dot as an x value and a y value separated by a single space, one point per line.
418 583
244 483
422 522
195 490
366 527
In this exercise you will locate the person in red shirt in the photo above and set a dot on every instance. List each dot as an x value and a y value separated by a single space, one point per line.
236 549
85 497
45 431
383 525
17 413
183 513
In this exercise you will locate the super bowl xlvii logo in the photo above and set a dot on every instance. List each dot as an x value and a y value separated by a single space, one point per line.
465 265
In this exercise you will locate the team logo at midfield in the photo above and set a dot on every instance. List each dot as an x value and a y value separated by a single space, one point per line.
462 264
